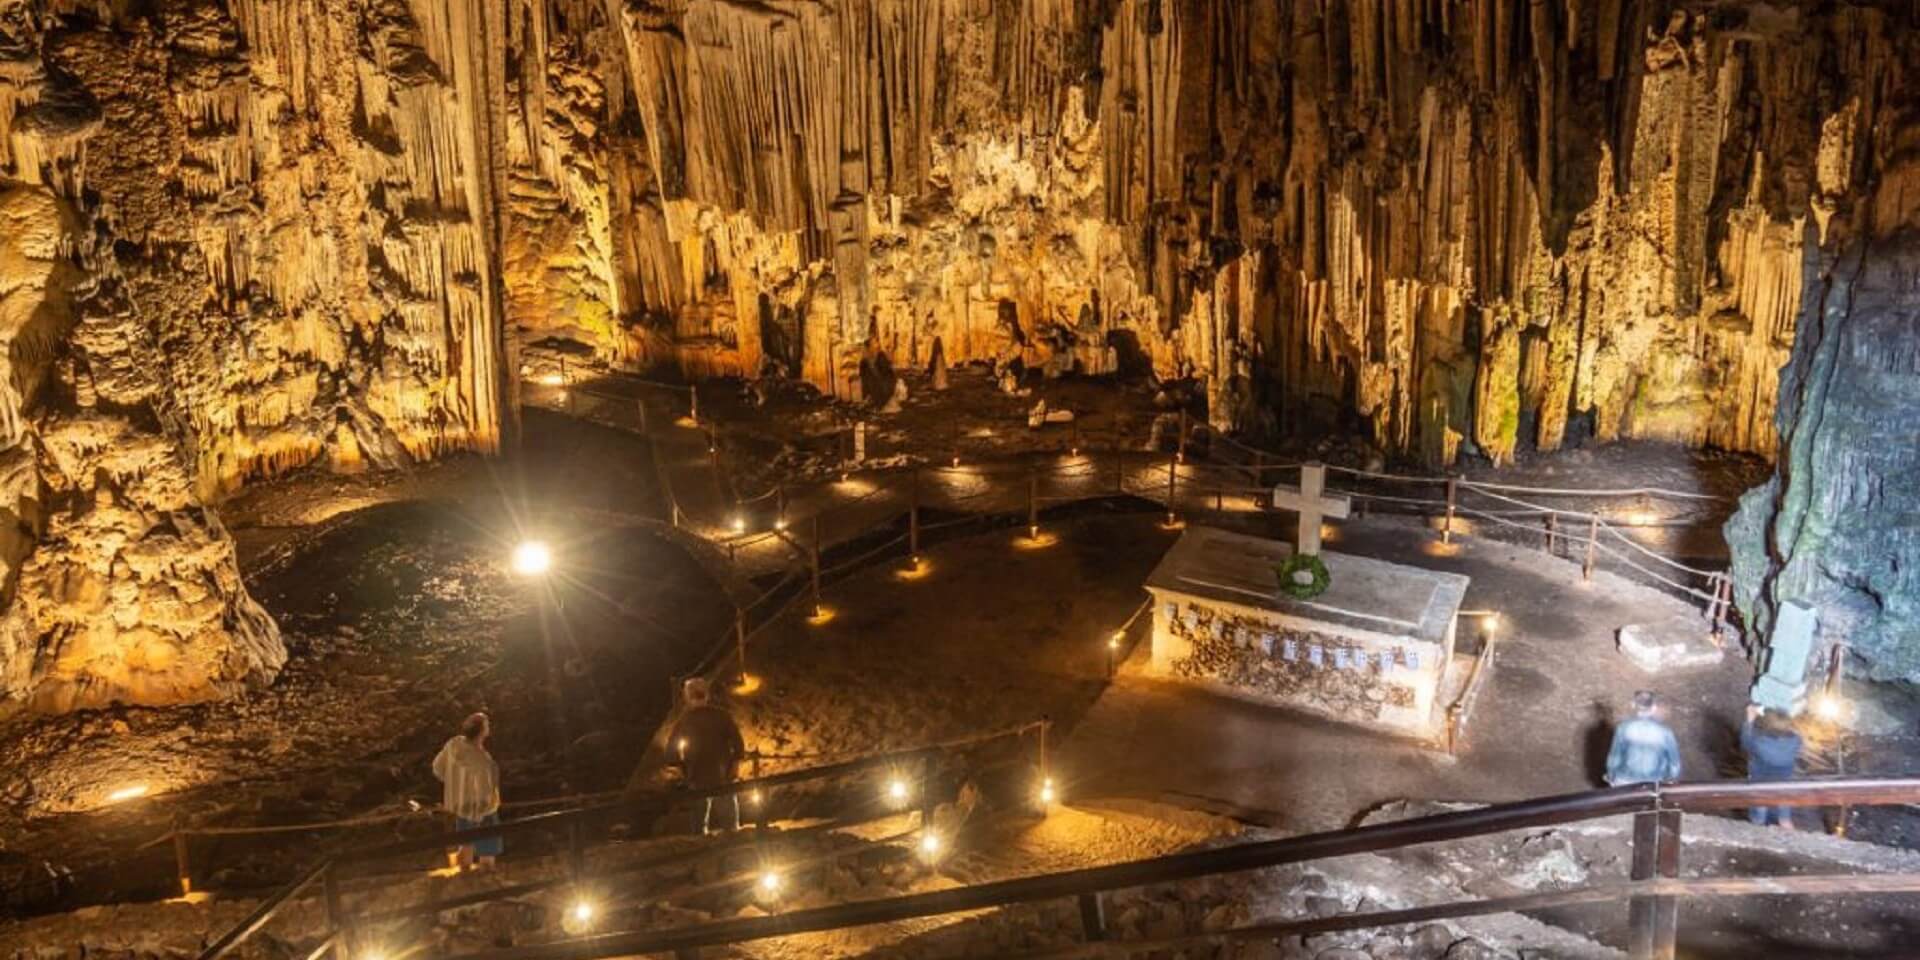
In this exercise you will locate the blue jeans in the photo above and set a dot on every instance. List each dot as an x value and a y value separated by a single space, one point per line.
1762 816
485 846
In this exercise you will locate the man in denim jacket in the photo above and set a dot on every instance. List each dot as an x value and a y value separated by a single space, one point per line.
1644 749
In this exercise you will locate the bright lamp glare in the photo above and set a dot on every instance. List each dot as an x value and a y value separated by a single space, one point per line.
896 789
128 792
582 911
1828 707
1047 794
770 882
930 844
739 524
532 558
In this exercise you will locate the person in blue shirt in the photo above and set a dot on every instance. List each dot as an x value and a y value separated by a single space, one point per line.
1644 749
1772 746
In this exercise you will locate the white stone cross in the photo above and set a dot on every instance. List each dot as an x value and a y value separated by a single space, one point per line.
1312 503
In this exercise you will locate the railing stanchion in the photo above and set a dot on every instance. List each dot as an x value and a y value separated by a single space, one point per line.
182 864
1653 921
1551 531
693 408
1033 501
1093 916
1593 544
1453 499
640 404
913 517
816 564
926 792
1171 463
780 505
1180 449
330 898
740 639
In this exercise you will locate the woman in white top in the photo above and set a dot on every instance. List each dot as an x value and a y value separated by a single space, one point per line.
472 793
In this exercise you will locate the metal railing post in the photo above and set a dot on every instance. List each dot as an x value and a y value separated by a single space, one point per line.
1171 463
926 792
740 639
816 564
1093 916
913 517
693 412
1654 920
1551 531
1180 451
1033 501
330 898
640 404
1453 499
182 864
1593 545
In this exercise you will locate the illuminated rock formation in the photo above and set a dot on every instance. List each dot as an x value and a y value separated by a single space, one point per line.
1486 222
268 234
240 240
1838 526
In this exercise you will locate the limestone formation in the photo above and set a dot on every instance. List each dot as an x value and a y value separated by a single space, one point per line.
267 234
1838 526
238 240
1488 223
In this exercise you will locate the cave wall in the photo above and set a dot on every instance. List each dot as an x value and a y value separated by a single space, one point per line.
1480 223
1838 525
253 236
242 239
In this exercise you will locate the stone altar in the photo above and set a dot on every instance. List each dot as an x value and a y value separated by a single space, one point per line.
1373 650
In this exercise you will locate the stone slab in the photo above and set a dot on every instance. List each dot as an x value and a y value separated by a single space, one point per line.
1681 642
1363 594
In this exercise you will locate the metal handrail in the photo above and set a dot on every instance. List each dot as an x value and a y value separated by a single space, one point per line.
572 818
1660 799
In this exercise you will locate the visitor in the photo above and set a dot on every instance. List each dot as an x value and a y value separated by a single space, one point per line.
1772 746
709 747
1644 749
472 793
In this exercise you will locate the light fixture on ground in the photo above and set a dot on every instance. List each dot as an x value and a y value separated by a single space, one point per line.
532 558
897 790
1047 794
739 524
930 844
770 882
754 796
581 912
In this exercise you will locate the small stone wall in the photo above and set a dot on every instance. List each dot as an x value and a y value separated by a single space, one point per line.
1236 652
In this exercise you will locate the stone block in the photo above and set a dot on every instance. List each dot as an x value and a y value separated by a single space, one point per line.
1683 642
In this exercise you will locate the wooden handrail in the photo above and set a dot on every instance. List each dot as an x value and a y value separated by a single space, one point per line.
263 913
569 818
1092 881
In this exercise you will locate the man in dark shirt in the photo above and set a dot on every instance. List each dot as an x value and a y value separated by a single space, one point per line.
1773 750
709 747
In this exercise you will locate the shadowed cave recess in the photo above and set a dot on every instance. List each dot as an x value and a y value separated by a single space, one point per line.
251 243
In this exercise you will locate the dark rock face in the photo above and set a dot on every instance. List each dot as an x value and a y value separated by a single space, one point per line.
1838 527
